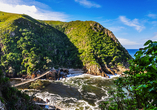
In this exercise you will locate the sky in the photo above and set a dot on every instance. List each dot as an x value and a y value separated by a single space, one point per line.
133 22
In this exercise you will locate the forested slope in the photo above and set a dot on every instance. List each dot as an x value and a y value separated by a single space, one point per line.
29 45
98 47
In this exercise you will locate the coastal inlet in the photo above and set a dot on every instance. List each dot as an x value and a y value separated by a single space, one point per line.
78 91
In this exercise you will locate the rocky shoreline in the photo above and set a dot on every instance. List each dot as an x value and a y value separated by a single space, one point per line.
55 74
46 78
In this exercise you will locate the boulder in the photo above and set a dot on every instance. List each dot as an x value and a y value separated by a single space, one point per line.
98 70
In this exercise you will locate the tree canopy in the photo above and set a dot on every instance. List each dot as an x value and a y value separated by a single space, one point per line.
138 90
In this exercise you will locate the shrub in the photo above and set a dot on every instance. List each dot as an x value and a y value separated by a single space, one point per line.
138 90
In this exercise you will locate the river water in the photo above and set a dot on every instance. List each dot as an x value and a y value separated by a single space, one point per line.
78 91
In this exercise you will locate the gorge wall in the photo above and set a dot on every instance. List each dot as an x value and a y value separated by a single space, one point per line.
29 45
98 48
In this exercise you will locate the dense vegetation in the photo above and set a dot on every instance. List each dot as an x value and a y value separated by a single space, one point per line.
96 45
139 89
38 84
29 45
13 98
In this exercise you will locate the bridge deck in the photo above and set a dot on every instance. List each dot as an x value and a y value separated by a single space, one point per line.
34 80
30 80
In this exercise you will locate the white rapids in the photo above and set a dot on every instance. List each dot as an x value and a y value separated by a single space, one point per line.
78 91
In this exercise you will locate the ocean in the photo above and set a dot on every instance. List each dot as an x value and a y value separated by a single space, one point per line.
132 51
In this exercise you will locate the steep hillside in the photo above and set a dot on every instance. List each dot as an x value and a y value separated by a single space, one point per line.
29 45
98 47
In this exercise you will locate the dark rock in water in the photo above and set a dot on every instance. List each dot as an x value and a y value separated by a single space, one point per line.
66 71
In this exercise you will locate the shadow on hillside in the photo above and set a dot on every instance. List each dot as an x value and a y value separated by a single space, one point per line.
67 51
33 42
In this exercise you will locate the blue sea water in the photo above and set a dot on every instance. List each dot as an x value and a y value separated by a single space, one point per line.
132 51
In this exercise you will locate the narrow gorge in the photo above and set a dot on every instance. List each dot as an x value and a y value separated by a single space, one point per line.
29 45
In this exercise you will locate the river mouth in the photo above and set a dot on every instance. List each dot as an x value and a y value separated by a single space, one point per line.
81 92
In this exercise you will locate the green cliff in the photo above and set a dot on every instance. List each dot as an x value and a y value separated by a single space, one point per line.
28 45
97 46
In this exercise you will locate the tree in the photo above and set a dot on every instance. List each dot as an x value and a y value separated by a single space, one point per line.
138 90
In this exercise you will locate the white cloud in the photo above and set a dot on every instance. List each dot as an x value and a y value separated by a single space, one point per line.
13 2
32 11
154 16
127 42
132 23
87 3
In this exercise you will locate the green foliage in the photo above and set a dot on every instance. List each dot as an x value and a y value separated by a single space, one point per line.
30 45
12 97
3 79
94 45
138 90
1 99
38 84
